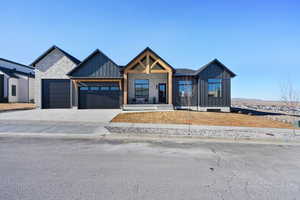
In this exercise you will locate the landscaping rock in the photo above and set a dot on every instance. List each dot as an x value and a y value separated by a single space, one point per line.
205 131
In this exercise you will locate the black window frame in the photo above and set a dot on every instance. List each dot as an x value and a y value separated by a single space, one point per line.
84 88
188 88
114 88
213 84
141 84
104 88
13 90
94 88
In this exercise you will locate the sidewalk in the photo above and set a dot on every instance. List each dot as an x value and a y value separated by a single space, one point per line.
138 130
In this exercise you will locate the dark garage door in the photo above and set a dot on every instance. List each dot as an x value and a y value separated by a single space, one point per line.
56 93
99 97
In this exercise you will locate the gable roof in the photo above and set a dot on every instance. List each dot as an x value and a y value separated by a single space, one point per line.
215 61
184 72
151 51
8 72
14 72
15 63
72 58
12 68
97 51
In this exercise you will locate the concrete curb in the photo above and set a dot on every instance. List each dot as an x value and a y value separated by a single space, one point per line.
185 126
131 138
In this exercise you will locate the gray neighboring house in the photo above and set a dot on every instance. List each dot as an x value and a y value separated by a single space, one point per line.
16 82
52 85
146 82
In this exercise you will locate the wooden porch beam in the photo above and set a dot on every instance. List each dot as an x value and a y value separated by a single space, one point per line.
170 86
96 80
125 92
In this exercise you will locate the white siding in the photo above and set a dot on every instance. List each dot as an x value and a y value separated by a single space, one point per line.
31 89
22 89
6 78
23 92
11 82
22 83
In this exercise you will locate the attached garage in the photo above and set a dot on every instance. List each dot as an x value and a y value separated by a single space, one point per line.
99 96
56 93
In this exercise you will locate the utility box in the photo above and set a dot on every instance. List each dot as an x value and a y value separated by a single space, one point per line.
297 123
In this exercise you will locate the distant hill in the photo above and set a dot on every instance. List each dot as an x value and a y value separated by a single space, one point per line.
246 101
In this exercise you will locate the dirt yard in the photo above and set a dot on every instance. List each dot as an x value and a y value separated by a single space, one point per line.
200 118
15 106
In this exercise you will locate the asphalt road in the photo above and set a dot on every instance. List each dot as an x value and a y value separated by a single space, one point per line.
93 169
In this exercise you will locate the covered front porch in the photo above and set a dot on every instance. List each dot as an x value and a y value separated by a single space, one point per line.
148 88
147 81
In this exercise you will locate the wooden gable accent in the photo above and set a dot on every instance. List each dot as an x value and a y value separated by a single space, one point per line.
147 60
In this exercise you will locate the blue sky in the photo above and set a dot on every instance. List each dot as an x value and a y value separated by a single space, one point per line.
258 40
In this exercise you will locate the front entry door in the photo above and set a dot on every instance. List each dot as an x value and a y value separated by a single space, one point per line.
162 93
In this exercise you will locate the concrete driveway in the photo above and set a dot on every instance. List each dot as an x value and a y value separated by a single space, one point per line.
62 115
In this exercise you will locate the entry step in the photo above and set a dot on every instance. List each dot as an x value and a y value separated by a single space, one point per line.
141 107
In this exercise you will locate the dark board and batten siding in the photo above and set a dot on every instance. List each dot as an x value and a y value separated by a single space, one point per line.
214 71
97 66
185 101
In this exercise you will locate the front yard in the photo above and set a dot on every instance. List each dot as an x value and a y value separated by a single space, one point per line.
16 106
200 118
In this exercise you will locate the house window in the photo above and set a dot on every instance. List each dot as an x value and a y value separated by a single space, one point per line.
94 88
215 87
84 88
141 88
104 88
13 90
185 88
114 88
